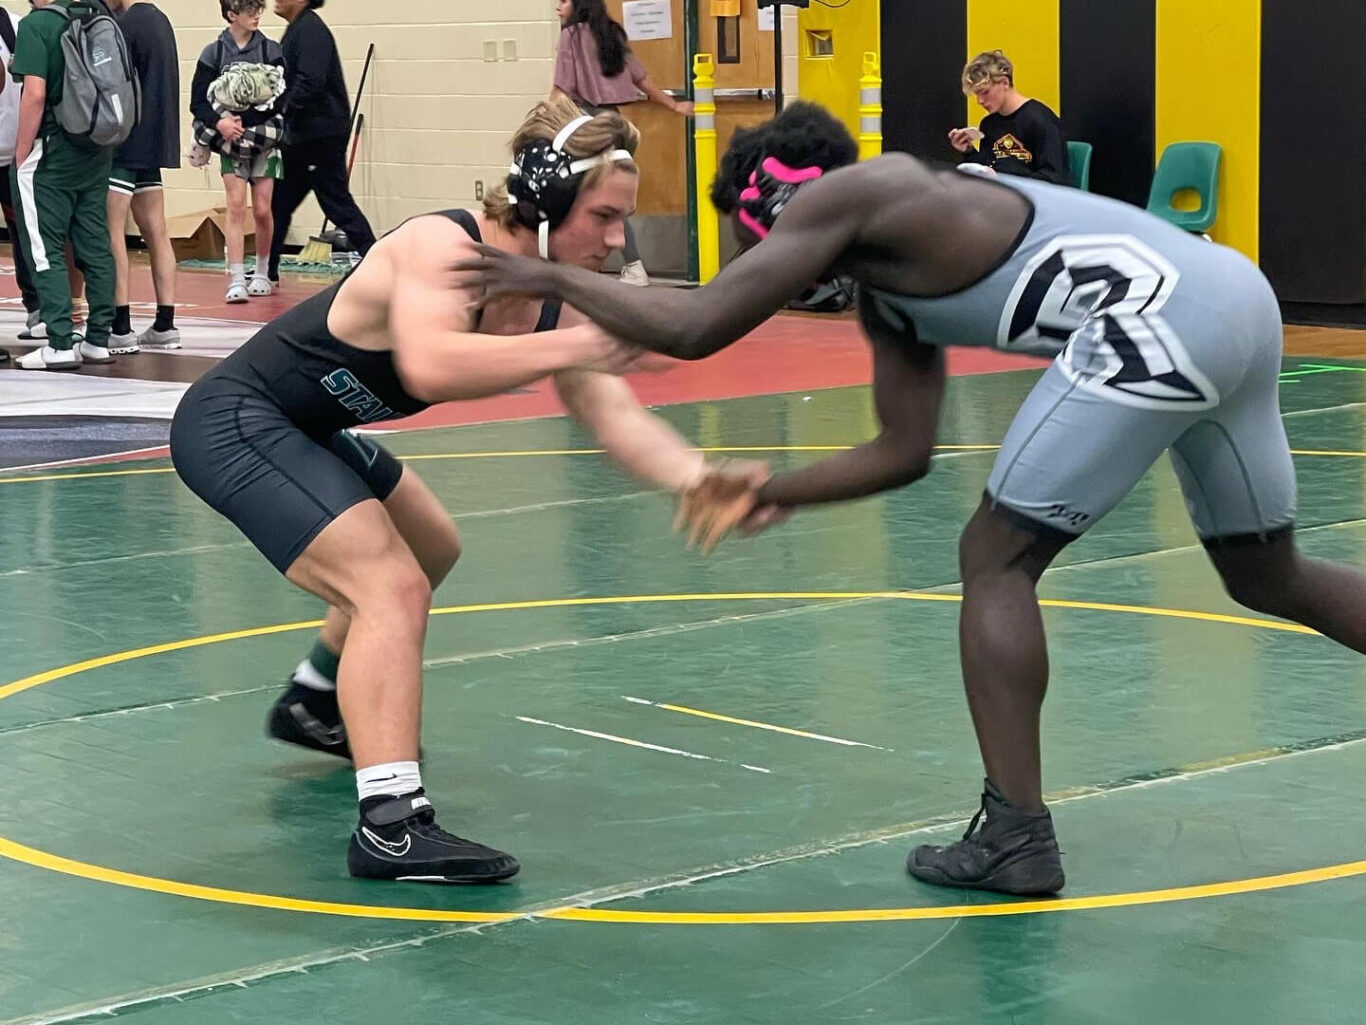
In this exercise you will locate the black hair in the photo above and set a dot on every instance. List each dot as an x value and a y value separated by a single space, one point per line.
803 135
737 164
610 37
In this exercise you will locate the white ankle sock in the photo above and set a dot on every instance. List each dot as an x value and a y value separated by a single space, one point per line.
239 273
307 674
392 779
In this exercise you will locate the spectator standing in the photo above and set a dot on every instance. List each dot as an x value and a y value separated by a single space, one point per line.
317 127
59 182
9 131
229 128
135 183
594 67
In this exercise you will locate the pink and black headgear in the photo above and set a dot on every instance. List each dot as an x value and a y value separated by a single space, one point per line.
771 187
764 167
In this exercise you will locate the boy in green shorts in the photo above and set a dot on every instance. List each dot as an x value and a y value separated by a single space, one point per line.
246 135
135 183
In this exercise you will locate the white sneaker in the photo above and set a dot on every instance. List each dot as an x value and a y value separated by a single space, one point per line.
237 293
93 353
260 286
48 358
123 345
154 339
634 273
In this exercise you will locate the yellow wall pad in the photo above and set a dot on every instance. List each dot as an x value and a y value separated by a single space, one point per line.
1209 88
1027 30
833 81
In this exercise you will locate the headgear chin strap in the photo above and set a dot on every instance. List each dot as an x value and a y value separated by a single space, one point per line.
544 181
771 188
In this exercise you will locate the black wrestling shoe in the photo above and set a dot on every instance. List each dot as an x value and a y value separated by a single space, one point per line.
398 838
309 718
1013 852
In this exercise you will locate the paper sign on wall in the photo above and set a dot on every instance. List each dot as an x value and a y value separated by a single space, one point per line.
766 19
647 19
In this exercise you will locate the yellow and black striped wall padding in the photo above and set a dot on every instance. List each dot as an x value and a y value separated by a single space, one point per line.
1280 85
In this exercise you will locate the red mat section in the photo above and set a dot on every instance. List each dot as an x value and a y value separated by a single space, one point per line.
788 353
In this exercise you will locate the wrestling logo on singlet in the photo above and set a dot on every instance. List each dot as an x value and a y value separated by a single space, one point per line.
1100 298
357 398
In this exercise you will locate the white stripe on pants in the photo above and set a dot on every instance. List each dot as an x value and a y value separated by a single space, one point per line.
27 170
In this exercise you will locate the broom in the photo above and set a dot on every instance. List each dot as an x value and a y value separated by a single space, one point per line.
319 248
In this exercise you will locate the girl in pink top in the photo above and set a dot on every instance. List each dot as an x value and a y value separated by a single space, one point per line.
597 70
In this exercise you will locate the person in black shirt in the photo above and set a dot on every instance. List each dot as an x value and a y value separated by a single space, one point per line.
317 125
135 181
1018 135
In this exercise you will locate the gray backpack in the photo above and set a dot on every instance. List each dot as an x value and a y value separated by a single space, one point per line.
101 97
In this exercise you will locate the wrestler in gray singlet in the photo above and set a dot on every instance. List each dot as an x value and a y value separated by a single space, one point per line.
1162 340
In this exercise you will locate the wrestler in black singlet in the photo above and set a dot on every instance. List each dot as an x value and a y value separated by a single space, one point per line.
264 437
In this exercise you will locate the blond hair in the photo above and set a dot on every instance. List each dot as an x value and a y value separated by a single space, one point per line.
607 131
988 68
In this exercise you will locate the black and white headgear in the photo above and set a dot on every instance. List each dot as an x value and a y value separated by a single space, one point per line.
544 181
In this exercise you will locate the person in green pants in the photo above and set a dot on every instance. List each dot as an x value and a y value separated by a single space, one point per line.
59 183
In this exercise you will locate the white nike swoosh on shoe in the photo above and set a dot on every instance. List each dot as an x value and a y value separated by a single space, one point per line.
398 850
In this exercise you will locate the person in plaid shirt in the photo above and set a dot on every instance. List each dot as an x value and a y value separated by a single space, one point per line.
247 139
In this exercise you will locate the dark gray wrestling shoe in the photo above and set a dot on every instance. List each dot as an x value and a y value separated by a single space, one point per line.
1012 852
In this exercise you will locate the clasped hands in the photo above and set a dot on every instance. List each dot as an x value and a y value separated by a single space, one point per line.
724 499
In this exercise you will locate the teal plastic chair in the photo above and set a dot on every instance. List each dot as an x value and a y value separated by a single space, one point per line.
1079 157
1187 165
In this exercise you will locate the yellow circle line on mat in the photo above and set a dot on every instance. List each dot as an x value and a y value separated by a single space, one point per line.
38 679
1032 907
591 452
98 873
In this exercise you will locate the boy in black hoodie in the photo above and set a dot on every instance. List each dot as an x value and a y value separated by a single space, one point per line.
317 124
242 43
